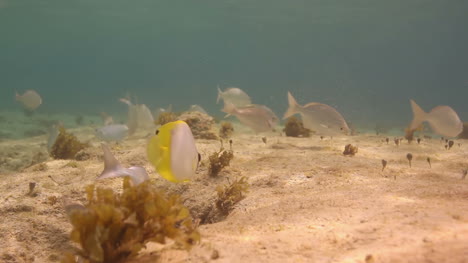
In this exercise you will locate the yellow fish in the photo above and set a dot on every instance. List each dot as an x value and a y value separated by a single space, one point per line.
173 153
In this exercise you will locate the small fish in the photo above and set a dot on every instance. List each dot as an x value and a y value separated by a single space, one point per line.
172 151
318 117
30 99
113 132
139 116
197 108
112 168
258 117
442 119
235 96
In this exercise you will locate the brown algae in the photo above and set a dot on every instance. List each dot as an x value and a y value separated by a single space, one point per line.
226 130
165 117
295 128
219 160
113 227
66 145
350 150
231 194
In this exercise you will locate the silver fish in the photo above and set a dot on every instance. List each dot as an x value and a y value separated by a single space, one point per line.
113 132
258 117
139 116
235 96
30 99
145 119
197 108
442 119
113 168
318 117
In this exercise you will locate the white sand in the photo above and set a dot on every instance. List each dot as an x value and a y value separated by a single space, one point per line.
307 202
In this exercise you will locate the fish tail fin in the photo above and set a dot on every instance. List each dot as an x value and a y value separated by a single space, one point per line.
219 95
229 108
293 106
419 116
112 167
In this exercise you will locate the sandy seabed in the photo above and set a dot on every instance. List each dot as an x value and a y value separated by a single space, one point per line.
307 202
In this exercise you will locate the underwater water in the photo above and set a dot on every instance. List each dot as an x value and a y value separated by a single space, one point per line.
365 58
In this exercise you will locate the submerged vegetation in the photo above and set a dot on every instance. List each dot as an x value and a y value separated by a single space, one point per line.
226 130
409 156
295 128
113 227
219 160
350 150
201 124
231 194
165 117
66 146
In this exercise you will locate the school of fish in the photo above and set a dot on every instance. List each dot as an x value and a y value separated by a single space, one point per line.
172 149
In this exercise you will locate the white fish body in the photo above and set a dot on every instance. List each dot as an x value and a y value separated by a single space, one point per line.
442 119
113 168
258 117
318 117
30 99
235 96
113 132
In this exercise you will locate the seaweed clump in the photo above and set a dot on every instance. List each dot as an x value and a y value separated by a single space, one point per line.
201 124
350 150
226 130
165 117
295 128
409 134
66 145
231 194
114 227
219 160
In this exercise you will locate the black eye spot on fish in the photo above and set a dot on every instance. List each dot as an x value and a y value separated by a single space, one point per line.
157 132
